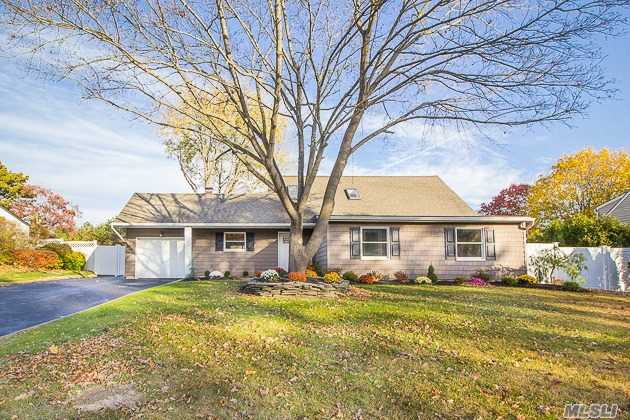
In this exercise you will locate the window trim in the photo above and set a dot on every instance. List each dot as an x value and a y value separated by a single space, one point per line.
388 242
482 244
225 241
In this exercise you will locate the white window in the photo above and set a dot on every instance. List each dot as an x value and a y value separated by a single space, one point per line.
469 244
234 241
374 243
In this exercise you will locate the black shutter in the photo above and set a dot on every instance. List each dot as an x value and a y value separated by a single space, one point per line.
355 243
449 242
491 253
395 241
250 239
218 241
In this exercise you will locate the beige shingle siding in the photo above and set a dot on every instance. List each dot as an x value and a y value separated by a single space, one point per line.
205 257
321 256
130 252
423 244
264 256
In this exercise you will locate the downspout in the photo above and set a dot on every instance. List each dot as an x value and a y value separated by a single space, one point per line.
111 225
525 236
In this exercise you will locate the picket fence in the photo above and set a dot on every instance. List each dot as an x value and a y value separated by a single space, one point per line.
606 268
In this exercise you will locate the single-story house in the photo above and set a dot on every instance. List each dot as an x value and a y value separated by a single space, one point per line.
8 215
381 223
618 207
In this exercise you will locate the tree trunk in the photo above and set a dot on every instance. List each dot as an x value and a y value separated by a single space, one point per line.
298 260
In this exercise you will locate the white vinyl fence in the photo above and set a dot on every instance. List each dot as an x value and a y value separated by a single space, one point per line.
606 268
104 260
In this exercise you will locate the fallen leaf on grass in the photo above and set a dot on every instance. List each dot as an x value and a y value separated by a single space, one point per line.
24 395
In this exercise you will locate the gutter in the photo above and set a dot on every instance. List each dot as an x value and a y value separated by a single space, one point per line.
436 219
527 221
205 225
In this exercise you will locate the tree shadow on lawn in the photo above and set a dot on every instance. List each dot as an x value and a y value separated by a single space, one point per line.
303 351
353 352
547 301
533 331
519 319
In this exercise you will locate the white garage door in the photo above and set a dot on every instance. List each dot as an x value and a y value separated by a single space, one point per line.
160 258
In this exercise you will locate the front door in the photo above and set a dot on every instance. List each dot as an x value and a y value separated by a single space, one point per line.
283 250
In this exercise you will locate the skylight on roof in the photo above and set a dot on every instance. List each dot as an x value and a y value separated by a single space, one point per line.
352 194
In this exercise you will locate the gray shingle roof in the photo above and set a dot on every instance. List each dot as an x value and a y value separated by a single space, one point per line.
380 196
618 207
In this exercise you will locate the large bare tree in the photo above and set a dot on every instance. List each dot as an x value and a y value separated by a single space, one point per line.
326 65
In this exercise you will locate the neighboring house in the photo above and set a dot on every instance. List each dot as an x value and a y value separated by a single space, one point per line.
12 217
379 223
618 207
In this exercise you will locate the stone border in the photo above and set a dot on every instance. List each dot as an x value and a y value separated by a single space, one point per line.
294 288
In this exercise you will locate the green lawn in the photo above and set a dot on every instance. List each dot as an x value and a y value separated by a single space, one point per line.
201 349
14 277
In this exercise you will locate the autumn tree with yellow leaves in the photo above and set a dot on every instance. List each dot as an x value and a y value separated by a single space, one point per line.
579 183
198 137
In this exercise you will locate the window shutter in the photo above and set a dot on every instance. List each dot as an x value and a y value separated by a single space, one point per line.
491 253
449 242
355 243
395 241
218 241
250 241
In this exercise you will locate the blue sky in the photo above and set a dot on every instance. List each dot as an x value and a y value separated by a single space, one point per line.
97 157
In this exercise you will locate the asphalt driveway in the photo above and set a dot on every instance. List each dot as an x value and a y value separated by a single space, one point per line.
26 305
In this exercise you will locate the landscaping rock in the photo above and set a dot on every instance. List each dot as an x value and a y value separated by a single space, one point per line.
111 397
294 288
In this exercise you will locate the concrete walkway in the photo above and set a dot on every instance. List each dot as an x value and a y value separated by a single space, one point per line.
26 305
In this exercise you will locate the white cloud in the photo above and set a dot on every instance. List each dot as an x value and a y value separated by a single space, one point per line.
90 153
96 157
473 164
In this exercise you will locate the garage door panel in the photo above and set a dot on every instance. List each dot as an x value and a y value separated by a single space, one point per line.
160 258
